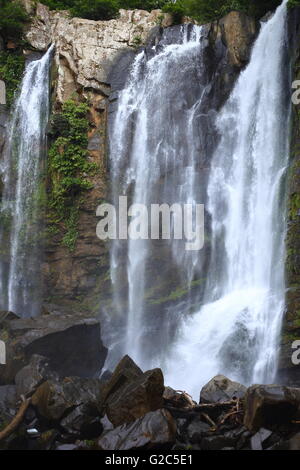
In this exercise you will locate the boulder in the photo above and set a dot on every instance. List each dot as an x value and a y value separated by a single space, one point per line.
137 398
82 424
294 442
155 429
125 372
32 375
8 403
55 400
196 430
71 342
217 442
221 389
269 405
259 438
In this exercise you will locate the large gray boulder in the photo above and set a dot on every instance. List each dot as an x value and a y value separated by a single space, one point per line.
55 400
136 398
269 405
221 389
71 343
156 428
130 393
34 374
8 403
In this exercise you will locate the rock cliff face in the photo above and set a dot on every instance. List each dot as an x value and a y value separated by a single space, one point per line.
84 53
91 62
290 372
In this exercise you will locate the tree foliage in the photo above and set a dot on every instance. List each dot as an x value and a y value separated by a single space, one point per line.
201 10
210 10
101 9
12 19
293 3
11 71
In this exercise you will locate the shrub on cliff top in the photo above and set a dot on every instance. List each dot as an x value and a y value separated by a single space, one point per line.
205 11
89 9
101 9
293 3
12 19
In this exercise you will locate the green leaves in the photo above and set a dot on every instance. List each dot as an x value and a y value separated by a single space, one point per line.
293 3
69 167
12 19
11 72
206 11
102 9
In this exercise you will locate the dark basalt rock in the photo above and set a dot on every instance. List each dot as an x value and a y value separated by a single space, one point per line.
31 376
71 343
136 398
82 424
270 405
8 403
155 429
56 400
221 389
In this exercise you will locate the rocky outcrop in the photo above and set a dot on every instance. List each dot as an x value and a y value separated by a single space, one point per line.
85 49
71 343
238 32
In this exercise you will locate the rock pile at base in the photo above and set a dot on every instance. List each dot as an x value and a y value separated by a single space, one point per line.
131 409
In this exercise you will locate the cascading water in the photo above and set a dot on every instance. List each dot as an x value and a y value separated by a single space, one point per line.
160 145
156 141
236 331
22 198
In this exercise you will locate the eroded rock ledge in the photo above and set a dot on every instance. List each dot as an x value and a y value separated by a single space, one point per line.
86 49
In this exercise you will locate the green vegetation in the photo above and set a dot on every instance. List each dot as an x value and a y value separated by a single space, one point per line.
178 293
12 19
101 9
201 10
209 10
69 168
293 3
11 72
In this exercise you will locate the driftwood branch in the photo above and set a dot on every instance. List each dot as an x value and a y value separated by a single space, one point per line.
194 410
16 421
209 420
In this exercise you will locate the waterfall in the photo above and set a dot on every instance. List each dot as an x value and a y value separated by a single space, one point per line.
236 331
155 141
22 171
163 138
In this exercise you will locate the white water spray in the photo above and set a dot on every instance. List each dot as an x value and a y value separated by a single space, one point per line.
236 331
22 170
